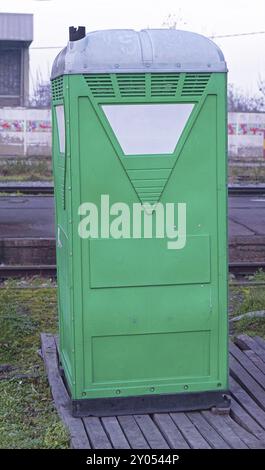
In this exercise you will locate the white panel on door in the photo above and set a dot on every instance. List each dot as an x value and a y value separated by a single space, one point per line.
143 129
61 126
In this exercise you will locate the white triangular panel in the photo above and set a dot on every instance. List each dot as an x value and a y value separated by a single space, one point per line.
148 129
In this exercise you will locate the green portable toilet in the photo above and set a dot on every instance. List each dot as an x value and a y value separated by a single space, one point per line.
139 156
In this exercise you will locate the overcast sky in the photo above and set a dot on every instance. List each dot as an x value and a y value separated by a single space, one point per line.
245 56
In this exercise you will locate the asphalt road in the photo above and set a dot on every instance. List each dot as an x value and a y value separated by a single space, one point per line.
27 216
33 216
246 215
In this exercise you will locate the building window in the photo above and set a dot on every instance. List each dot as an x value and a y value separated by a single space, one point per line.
10 72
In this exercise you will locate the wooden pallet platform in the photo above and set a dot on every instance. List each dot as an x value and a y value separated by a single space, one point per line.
243 428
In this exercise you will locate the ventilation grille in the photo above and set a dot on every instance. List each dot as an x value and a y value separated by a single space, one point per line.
149 183
195 84
131 85
145 85
150 194
164 84
57 89
100 85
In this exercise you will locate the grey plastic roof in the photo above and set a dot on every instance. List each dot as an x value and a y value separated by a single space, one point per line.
149 50
16 27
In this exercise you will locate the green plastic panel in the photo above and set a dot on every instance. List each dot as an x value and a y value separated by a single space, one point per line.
135 317
191 352
124 263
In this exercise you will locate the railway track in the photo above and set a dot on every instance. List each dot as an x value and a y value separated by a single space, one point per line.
246 190
246 268
238 269
24 271
30 189
35 189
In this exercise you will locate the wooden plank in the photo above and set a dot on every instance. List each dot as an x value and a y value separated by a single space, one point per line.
241 343
245 362
170 431
260 341
245 426
245 420
248 438
247 402
207 431
221 426
96 433
247 382
189 431
151 432
115 432
250 343
78 435
48 348
256 360
132 432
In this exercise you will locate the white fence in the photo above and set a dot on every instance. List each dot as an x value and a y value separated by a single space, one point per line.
27 131
246 134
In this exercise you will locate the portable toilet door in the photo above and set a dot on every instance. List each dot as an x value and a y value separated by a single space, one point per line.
139 155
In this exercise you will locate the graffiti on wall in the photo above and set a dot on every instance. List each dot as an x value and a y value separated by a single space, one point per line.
246 129
14 125
8 125
39 126
25 131
246 134
28 131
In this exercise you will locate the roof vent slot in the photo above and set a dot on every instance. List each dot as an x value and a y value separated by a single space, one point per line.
100 85
131 85
57 89
195 84
164 84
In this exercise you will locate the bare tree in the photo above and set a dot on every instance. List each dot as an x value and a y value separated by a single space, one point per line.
174 21
41 97
243 102
261 85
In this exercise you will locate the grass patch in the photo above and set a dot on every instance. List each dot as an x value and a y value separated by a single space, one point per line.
246 174
258 276
26 169
28 418
30 176
248 299
250 327
252 299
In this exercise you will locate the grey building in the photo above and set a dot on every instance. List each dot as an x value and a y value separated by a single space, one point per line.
16 35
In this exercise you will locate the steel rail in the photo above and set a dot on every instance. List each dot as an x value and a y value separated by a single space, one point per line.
31 189
238 269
